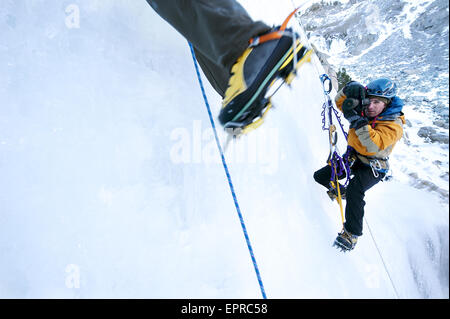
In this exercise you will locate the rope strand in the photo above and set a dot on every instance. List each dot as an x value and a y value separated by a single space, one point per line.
382 260
225 166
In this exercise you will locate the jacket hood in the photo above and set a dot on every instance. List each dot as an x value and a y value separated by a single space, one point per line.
393 110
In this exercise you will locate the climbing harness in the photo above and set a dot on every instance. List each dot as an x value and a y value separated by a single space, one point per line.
225 166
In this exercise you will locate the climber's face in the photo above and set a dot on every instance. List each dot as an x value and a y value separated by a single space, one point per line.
375 108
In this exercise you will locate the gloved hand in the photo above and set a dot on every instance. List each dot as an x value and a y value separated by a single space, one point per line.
352 112
349 108
355 90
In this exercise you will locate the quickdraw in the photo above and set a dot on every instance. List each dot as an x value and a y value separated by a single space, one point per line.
377 168
339 164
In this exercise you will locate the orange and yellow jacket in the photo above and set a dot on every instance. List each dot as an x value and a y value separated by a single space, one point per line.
377 139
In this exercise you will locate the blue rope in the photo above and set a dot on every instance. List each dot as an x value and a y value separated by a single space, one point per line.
233 193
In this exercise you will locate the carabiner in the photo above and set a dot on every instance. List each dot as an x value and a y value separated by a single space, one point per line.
324 78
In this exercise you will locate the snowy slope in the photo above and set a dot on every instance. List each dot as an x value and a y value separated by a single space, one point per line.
111 185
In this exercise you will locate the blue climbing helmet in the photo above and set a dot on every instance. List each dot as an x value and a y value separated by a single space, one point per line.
382 87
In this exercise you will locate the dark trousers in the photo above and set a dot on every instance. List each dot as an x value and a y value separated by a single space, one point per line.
361 181
219 31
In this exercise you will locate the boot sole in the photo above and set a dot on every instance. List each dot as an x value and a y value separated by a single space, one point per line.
343 244
258 89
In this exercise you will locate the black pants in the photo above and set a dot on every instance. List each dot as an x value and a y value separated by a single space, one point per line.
361 181
219 31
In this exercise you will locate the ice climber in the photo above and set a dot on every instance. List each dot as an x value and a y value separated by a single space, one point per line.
376 125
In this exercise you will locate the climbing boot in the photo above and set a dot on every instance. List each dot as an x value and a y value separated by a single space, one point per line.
345 240
333 193
267 58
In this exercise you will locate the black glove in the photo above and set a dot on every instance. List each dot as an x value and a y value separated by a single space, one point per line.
356 90
352 112
349 108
